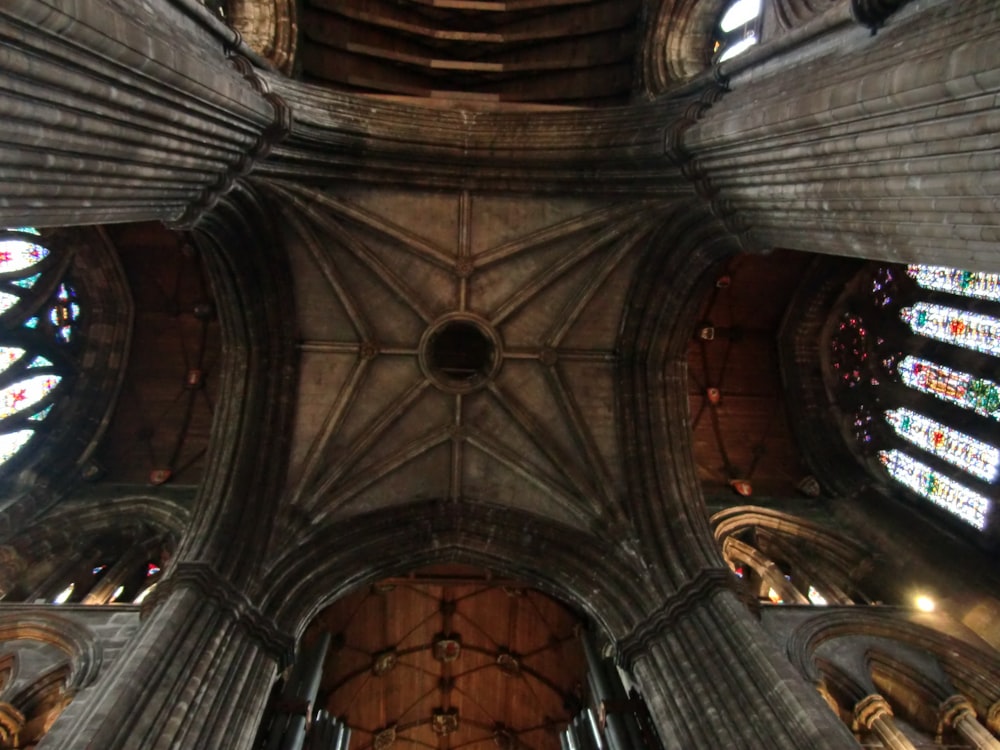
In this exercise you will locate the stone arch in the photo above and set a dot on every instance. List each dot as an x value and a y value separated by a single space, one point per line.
678 43
66 534
602 576
83 652
838 563
40 477
973 670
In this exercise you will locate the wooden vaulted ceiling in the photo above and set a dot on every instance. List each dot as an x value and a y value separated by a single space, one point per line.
569 52
451 657
741 432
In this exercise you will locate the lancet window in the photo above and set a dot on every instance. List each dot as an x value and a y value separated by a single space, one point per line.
39 320
737 30
912 362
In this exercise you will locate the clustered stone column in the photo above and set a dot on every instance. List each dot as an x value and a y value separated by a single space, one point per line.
198 674
699 657
873 714
891 151
958 713
11 724
122 112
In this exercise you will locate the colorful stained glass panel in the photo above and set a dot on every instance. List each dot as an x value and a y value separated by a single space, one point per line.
978 394
27 282
964 451
969 330
955 281
24 230
41 415
25 393
16 255
12 442
955 498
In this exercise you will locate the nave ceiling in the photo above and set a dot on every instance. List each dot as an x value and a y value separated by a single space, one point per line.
381 275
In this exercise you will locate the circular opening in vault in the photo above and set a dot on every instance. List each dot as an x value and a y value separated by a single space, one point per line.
461 353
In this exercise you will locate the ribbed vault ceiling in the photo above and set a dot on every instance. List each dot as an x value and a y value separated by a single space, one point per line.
379 277
579 52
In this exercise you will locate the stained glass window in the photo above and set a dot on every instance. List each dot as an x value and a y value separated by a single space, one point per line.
969 330
955 498
40 325
964 451
16 255
955 281
978 394
26 393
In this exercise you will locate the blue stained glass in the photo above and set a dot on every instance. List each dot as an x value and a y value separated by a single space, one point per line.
42 414
28 282
31 323
40 362
24 230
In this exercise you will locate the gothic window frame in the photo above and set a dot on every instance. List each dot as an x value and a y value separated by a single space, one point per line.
727 40
89 363
875 387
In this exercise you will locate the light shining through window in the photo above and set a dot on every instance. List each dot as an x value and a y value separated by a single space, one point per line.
955 498
739 14
964 451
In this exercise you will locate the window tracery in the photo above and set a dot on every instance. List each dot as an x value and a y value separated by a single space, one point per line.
912 404
39 318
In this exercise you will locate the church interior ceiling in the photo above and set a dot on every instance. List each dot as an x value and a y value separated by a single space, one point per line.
384 279
577 52
451 657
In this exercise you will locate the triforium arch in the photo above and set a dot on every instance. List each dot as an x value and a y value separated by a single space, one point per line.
878 663
795 556
91 540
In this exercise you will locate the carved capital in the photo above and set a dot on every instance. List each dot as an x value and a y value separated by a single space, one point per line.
692 595
993 718
870 709
204 579
952 710
11 723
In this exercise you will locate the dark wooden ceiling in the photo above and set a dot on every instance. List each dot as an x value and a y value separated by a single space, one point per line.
164 416
577 52
514 679
746 435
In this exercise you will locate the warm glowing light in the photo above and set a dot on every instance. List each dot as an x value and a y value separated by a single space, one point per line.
118 592
924 603
816 598
144 593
